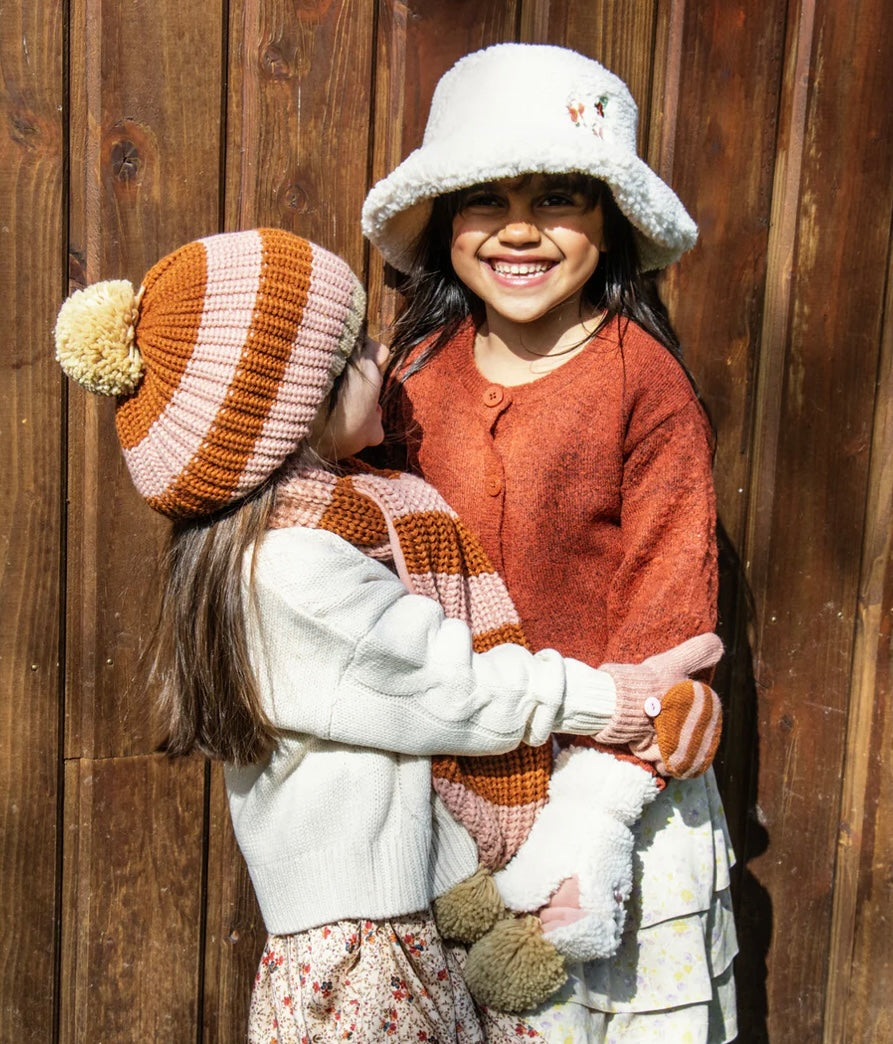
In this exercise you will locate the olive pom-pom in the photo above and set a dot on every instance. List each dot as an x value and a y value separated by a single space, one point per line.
95 338
469 908
514 967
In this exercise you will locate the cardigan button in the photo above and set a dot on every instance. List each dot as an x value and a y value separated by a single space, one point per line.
493 396
652 707
494 486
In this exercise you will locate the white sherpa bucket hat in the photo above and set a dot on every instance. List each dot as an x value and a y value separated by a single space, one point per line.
515 109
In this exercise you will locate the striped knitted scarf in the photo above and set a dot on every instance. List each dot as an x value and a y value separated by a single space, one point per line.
392 515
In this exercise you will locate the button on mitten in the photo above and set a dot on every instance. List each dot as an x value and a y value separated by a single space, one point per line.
639 686
687 727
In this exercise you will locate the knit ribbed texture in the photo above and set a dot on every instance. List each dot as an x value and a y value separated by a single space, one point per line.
681 736
495 797
241 336
631 721
687 730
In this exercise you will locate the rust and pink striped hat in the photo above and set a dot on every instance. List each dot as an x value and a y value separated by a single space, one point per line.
237 340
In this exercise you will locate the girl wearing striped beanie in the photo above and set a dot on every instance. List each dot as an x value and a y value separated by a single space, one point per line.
327 630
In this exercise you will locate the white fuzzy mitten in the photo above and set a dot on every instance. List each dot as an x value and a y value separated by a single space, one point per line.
583 832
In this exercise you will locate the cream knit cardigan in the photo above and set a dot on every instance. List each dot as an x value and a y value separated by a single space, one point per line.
368 681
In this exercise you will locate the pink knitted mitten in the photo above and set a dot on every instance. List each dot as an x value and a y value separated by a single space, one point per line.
641 689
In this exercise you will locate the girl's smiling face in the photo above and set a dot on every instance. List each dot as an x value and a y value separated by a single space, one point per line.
527 245
355 420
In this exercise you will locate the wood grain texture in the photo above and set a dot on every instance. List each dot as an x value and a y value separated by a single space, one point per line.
146 142
297 140
819 485
415 45
31 538
132 910
144 179
730 70
860 964
235 931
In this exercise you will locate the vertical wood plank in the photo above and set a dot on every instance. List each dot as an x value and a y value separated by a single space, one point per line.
235 930
298 131
132 910
860 965
819 486
754 901
669 23
730 79
144 179
32 285
415 46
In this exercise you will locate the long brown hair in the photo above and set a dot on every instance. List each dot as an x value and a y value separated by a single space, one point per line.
207 697
197 662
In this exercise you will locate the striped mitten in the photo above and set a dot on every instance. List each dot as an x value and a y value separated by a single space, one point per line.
662 715
687 724
640 687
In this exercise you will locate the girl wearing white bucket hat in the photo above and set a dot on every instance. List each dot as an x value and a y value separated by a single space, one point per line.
537 382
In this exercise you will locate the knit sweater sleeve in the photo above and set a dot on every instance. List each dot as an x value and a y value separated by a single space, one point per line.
665 588
342 651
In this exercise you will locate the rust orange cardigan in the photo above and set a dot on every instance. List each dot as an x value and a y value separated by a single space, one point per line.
590 488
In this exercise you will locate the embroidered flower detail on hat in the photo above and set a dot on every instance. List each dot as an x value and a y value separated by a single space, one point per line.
589 116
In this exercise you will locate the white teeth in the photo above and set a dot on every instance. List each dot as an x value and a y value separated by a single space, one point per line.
523 268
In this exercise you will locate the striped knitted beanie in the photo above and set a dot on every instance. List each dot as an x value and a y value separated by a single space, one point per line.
393 515
220 362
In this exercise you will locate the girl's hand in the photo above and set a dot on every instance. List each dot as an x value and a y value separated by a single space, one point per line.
563 906
642 688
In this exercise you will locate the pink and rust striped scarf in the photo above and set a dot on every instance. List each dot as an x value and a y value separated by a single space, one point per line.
390 515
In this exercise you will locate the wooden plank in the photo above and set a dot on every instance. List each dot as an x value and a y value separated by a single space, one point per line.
754 906
131 929
144 179
666 75
235 930
730 78
819 486
860 965
414 48
31 287
298 119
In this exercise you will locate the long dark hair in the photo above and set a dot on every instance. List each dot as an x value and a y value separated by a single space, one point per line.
207 698
435 301
197 662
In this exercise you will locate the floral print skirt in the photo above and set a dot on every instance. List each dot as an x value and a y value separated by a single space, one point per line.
369 981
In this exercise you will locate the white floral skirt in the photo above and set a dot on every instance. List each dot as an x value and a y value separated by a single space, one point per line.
369 981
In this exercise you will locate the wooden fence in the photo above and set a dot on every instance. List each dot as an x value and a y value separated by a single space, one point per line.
130 127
